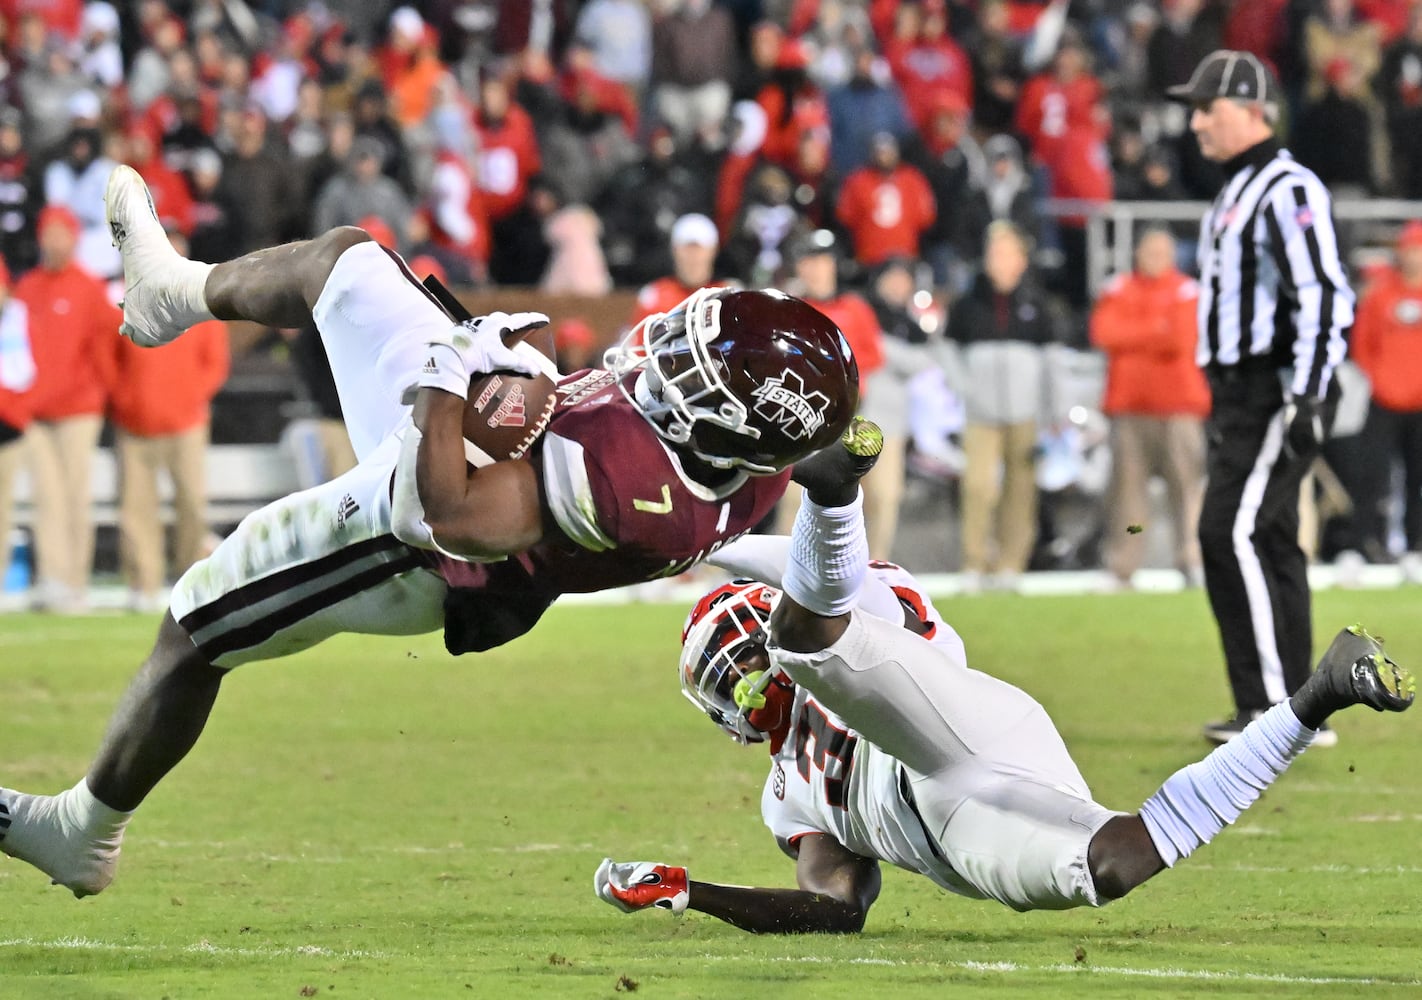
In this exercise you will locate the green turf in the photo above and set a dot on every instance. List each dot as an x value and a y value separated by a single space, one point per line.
373 819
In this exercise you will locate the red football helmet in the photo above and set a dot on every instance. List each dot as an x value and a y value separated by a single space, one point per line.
754 380
726 628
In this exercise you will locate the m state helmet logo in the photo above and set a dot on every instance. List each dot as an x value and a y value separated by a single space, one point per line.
784 401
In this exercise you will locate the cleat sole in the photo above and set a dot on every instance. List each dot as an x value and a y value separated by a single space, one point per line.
863 438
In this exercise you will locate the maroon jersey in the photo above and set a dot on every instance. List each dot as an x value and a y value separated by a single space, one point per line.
624 513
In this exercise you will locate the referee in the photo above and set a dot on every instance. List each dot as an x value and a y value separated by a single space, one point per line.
1274 315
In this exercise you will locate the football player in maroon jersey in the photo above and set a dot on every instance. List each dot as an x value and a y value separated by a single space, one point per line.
886 746
644 469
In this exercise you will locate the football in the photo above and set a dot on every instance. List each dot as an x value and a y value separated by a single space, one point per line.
505 415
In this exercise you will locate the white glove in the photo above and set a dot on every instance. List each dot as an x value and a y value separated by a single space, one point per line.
475 347
636 885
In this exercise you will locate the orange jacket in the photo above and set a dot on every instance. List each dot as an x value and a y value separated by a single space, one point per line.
72 325
1387 341
168 390
885 213
411 83
1146 326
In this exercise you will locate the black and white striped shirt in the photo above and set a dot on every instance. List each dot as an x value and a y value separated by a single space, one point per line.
1271 283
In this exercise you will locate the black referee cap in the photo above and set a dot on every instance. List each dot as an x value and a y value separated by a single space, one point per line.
1239 76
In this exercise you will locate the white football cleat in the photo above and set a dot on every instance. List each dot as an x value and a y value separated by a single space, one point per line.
77 851
157 305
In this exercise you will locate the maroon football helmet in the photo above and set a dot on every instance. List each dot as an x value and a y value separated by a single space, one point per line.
754 380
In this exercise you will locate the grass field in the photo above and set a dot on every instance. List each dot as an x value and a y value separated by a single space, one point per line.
374 819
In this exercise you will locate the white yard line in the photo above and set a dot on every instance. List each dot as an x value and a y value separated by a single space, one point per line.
1350 870
198 947
1087 969
1006 968
253 851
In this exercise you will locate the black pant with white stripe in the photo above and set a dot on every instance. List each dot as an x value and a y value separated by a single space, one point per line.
1255 572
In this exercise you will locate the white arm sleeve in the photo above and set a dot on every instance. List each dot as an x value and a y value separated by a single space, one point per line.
764 558
407 513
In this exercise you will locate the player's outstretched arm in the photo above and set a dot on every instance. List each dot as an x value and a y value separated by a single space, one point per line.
494 511
837 887
829 553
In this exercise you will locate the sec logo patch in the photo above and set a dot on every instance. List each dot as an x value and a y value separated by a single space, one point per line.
777 782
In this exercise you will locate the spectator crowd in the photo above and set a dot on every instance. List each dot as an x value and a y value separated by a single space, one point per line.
889 159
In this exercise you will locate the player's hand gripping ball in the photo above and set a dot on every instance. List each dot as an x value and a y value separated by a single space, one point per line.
506 411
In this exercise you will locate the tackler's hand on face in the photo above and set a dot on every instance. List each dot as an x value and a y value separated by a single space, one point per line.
476 347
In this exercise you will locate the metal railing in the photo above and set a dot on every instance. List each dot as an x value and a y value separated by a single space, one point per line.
1111 226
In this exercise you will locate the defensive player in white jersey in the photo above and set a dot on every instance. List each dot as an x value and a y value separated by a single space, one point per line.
886 746
642 470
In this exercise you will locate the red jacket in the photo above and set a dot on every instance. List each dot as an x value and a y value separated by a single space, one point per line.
1146 327
455 194
856 320
171 198
662 295
731 187
62 16
783 131
168 390
925 68
508 157
72 324
1387 341
1047 108
1080 165
885 213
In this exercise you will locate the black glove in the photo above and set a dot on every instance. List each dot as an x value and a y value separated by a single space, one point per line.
831 475
1303 426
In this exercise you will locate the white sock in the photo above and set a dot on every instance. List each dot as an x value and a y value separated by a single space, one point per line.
1198 801
189 285
829 557
72 837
